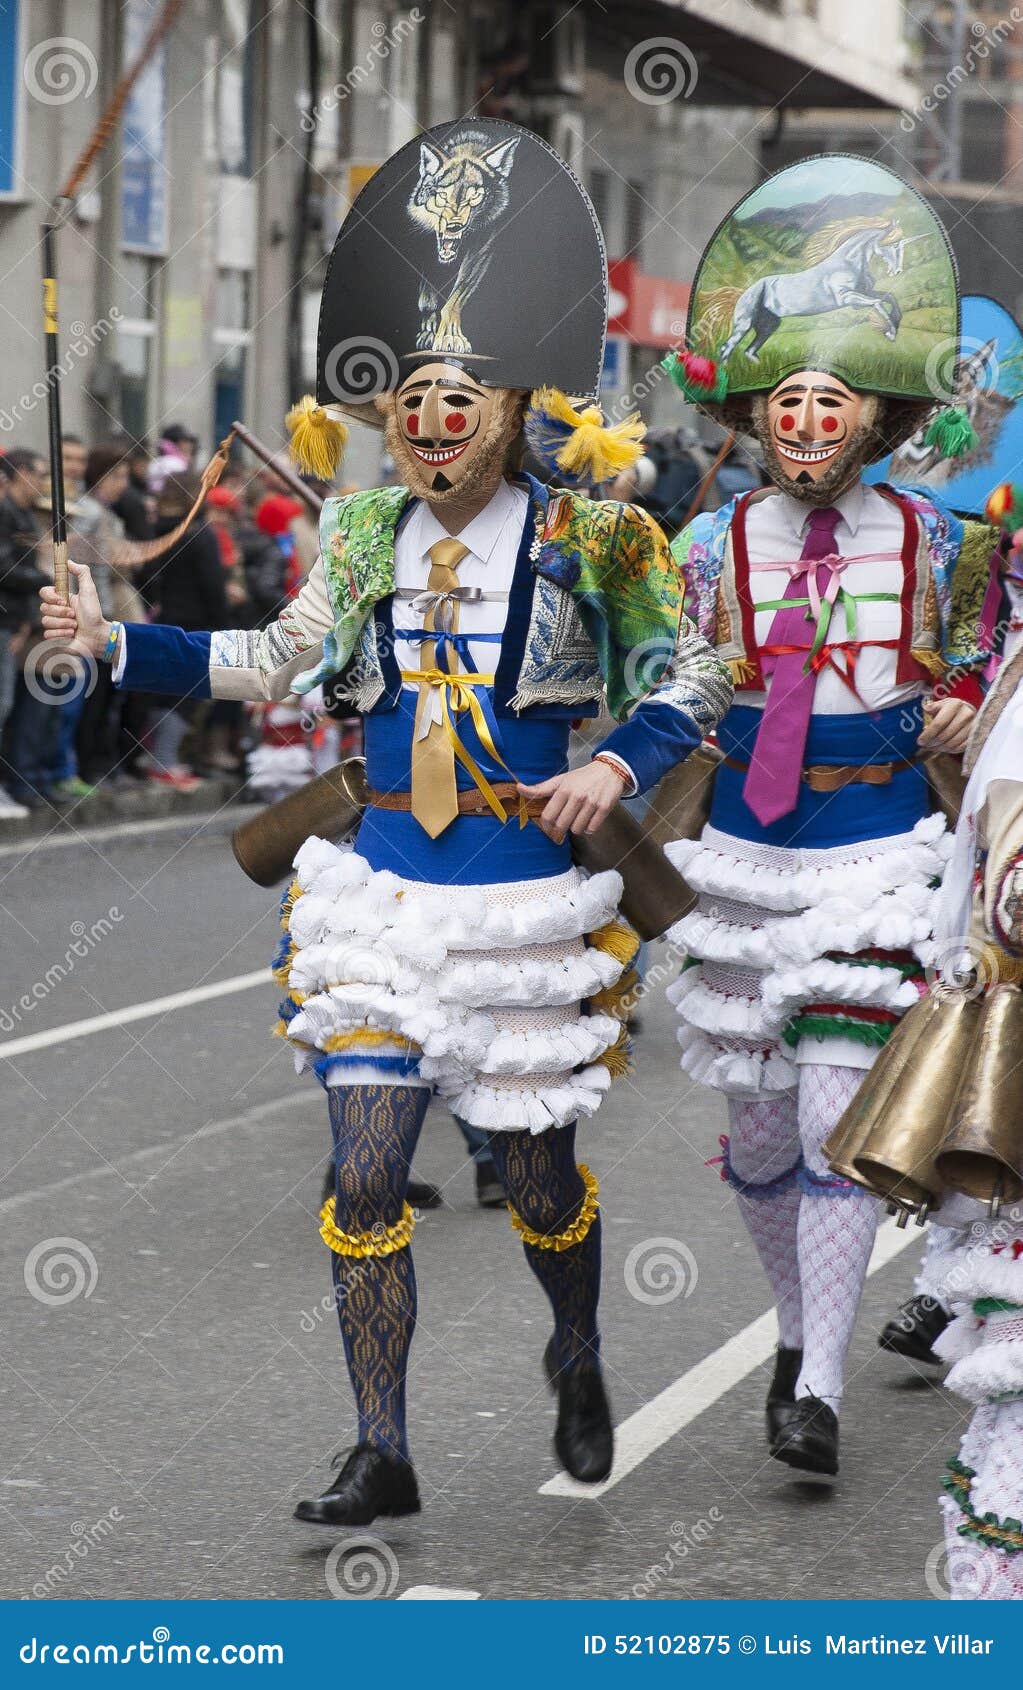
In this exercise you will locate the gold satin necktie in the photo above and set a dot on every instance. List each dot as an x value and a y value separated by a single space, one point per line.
434 788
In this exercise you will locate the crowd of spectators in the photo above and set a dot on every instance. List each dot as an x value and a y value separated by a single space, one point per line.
65 729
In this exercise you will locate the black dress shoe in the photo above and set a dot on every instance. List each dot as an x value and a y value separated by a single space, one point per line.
583 1437
915 1329
808 1437
782 1392
489 1190
369 1484
422 1195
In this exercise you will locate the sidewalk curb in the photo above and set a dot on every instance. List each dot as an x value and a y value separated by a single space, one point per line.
150 803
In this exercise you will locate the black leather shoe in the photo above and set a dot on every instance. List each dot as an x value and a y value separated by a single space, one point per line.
915 1329
782 1392
489 1190
808 1437
583 1437
369 1484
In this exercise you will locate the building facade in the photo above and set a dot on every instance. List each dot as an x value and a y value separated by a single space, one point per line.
191 264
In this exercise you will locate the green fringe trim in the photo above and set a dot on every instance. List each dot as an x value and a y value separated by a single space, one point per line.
994 1305
875 1033
988 1529
908 970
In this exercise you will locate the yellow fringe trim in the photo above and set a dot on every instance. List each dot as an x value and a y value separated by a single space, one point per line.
616 1000
617 939
618 1059
932 661
294 891
595 449
367 1038
378 1241
573 1234
283 970
318 440
742 669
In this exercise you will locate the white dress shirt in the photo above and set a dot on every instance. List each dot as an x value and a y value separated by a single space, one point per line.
776 527
493 538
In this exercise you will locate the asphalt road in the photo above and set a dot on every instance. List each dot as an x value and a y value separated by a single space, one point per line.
172 1378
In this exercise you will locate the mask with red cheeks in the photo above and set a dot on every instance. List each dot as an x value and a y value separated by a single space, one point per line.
816 434
446 432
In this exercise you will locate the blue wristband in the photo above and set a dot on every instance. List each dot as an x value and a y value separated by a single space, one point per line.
110 649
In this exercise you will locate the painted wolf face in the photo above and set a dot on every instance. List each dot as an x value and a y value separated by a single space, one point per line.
462 188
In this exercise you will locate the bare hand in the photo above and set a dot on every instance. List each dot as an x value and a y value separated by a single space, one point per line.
79 626
579 801
948 725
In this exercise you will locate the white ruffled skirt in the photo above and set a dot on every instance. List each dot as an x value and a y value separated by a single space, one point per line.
778 931
500 997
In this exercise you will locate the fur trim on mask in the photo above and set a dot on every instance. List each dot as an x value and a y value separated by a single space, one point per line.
489 464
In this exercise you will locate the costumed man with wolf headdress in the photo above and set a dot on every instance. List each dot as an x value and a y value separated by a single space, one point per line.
815 308
472 614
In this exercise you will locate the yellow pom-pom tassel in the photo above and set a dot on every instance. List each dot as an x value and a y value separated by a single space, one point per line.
318 440
591 450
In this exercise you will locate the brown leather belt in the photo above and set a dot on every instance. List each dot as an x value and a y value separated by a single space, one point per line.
470 803
831 777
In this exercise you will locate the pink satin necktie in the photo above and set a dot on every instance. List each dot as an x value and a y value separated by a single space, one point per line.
772 783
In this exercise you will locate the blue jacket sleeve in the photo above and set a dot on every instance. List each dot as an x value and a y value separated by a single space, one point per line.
159 659
655 738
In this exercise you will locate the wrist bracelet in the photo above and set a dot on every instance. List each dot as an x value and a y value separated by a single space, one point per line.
110 649
611 763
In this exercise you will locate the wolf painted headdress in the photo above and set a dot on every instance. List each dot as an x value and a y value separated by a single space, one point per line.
834 264
476 244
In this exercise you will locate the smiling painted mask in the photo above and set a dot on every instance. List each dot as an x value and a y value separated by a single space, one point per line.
446 432
816 434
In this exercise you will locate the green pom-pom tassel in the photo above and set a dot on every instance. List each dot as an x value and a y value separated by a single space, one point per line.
952 432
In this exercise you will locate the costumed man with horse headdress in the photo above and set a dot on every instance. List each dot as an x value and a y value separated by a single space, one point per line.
472 615
814 311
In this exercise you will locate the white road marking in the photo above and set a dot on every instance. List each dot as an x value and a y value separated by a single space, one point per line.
436 1593
133 1012
31 842
682 1402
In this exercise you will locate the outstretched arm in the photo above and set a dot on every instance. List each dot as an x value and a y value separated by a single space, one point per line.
230 663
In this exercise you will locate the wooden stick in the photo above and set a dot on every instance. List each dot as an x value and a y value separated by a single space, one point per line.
57 502
115 105
288 476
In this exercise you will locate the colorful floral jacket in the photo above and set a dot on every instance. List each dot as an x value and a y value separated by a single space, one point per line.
595 613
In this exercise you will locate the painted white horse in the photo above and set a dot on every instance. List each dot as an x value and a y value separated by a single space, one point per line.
843 278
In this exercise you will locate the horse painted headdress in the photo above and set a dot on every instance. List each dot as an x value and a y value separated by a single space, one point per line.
474 244
835 264
983 377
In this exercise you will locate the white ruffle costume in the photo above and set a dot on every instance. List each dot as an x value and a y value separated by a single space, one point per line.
482 988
